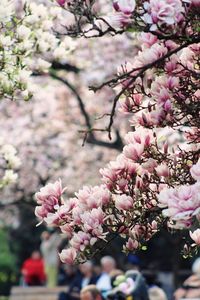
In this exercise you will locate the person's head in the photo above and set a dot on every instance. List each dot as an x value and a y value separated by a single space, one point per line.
35 255
108 264
156 293
196 266
86 268
90 292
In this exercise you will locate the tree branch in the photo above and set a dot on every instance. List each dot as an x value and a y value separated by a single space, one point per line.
89 134
139 74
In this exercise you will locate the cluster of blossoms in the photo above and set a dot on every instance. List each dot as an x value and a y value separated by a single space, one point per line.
9 162
155 15
164 94
135 188
28 44
151 184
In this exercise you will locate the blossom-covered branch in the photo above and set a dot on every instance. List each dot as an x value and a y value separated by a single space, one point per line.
154 182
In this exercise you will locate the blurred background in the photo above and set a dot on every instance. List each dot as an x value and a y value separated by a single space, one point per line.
49 133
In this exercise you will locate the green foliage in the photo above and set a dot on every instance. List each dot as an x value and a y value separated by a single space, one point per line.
7 265
7 260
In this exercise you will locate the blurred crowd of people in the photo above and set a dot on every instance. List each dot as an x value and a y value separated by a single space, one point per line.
90 281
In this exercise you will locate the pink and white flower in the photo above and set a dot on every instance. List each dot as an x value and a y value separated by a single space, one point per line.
81 240
123 202
163 12
195 171
124 6
163 170
182 203
133 151
49 197
61 2
132 244
68 256
195 236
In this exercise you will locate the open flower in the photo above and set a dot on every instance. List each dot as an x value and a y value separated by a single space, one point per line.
183 203
163 12
61 2
195 171
48 197
68 256
123 202
124 6
195 236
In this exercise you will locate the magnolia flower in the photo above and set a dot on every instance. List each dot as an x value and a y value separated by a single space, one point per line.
182 202
81 240
196 3
61 2
124 6
147 39
118 19
162 170
133 151
67 229
41 212
123 202
132 244
52 192
68 256
195 236
195 171
49 198
163 12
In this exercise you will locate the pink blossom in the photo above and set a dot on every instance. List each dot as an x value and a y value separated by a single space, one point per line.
168 12
108 173
195 3
91 220
81 240
132 244
61 2
124 6
127 105
49 196
147 39
195 171
152 54
41 212
150 165
162 170
67 229
195 236
83 194
118 19
101 194
76 215
167 106
122 183
137 231
68 256
133 151
154 225
123 202
52 190
93 197
182 202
